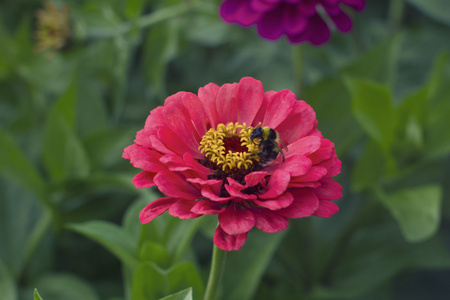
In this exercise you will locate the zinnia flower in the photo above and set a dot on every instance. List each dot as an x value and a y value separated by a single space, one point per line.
197 150
298 19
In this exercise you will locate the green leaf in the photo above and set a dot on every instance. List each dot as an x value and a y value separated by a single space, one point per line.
245 268
64 286
151 282
181 295
436 9
8 289
112 237
133 8
165 36
378 64
417 210
155 253
373 109
36 295
14 165
64 155
369 168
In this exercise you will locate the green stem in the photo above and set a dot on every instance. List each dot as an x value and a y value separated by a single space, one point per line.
297 60
144 21
396 9
215 274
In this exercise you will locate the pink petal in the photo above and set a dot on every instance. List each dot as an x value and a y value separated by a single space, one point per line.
173 185
294 165
329 189
314 174
229 242
174 142
156 208
206 207
143 158
302 118
178 120
325 152
326 209
269 25
208 96
254 178
304 205
182 209
282 201
269 221
278 184
250 95
144 180
226 103
304 146
236 220
279 108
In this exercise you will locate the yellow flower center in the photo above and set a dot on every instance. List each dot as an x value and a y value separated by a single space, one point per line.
230 147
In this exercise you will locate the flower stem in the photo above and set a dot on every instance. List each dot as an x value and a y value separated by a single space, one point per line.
396 8
215 274
297 61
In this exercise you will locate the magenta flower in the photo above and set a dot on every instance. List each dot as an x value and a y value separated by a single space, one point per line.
298 19
197 150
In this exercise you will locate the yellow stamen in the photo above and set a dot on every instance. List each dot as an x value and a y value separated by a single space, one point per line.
216 142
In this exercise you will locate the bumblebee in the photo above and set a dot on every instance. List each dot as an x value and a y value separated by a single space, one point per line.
269 143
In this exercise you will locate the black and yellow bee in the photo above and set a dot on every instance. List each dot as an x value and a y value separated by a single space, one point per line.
269 143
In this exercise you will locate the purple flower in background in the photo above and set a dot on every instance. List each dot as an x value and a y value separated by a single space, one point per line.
298 19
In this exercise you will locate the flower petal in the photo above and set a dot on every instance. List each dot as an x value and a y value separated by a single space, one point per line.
329 189
279 108
304 205
326 209
254 178
144 179
206 207
182 209
302 118
294 165
173 185
269 221
282 201
156 208
278 183
236 220
229 242
208 96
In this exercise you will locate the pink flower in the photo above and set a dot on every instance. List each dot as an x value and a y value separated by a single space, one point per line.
197 150
298 19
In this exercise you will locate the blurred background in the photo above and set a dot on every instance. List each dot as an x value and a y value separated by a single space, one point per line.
78 79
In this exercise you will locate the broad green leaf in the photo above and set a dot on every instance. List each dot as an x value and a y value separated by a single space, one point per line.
369 168
245 268
155 253
64 286
381 250
378 64
151 282
133 8
112 237
165 35
14 165
417 210
182 295
186 275
36 295
373 109
64 155
8 290
105 147
332 104
20 223
436 9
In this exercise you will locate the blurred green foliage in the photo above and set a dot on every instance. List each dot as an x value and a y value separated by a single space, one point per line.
69 213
